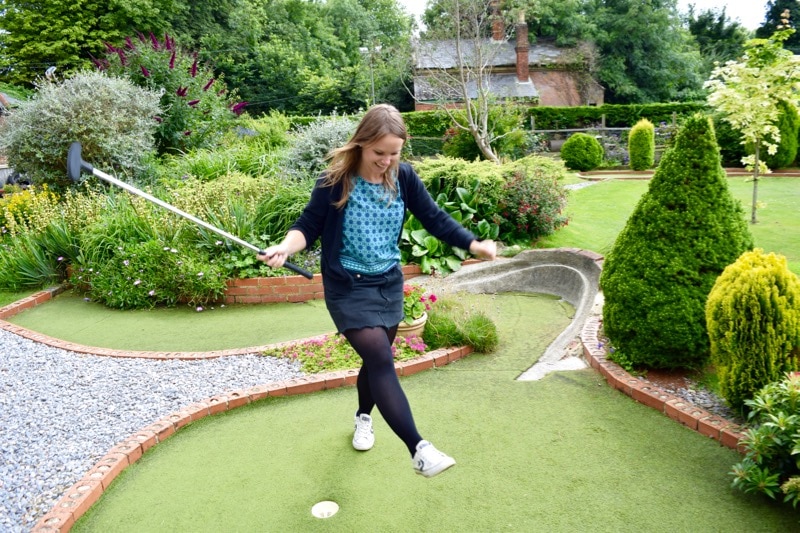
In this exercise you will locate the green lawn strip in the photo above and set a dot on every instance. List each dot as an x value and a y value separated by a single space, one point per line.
7 297
599 212
68 317
566 453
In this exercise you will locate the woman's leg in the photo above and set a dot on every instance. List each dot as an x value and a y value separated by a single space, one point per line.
378 383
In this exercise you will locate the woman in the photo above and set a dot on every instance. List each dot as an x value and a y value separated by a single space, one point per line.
357 208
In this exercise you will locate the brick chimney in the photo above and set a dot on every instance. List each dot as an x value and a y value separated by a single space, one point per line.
522 49
497 22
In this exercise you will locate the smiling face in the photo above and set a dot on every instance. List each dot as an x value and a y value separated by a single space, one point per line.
379 156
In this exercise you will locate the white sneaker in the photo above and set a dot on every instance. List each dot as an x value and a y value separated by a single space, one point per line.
364 438
429 461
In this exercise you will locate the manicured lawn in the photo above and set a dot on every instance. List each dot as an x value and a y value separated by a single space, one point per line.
599 212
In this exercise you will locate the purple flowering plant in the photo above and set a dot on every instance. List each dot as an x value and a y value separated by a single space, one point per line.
197 108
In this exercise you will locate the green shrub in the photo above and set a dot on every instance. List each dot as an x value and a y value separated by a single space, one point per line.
111 117
310 145
533 201
753 320
509 139
450 323
771 442
582 152
731 149
642 145
141 275
788 125
681 235
197 108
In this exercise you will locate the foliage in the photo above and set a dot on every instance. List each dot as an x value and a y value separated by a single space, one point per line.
333 352
415 303
645 54
197 108
684 231
613 115
731 149
38 35
775 18
642 145
753 320
747 93
531 207
509 139
141 275
582 152
310 145
109 116
718 37
450 323
467 205
788 128
772 442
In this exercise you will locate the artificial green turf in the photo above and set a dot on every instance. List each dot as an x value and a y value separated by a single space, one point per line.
68 317
566 453
8 297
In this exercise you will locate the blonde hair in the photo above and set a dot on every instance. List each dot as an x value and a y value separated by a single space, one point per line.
380 120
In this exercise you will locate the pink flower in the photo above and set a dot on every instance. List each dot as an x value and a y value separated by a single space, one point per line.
207 86
145 72
172 60
192 103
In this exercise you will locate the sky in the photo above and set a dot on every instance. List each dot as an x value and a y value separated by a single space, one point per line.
750 13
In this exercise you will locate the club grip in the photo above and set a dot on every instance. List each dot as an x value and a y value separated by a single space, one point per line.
291 266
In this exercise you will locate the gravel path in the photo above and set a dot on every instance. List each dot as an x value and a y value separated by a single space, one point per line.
60 412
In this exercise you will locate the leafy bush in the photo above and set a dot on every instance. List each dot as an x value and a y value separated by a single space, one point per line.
112 119
753 320
533 201
311 144
141 275
684 231
510 140
582 152
788 125
642 145
771 443
197 108
731 149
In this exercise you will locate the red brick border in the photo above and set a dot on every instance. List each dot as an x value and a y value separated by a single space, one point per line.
83 494
726 432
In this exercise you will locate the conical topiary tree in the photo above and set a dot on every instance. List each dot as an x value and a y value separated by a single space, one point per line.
683 232
753 320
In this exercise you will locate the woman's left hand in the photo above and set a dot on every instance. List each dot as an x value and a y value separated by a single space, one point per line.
484 249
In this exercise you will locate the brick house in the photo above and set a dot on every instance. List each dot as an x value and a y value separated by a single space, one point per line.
539 74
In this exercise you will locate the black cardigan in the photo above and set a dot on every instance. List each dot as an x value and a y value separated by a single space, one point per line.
321 219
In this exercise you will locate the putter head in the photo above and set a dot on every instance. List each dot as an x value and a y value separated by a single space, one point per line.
75 165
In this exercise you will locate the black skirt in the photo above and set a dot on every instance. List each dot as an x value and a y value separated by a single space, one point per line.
375 300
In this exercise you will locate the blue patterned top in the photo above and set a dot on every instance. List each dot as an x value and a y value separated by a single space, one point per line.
372 223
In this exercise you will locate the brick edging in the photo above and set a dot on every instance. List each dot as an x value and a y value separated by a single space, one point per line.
727 433
83 494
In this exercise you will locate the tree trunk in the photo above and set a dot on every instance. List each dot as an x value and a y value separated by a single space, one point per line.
756 168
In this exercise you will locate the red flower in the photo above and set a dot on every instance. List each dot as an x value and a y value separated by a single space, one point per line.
207 86
193 103
145 72
172 60
182 91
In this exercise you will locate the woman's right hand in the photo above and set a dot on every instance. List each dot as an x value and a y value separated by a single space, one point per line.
275 256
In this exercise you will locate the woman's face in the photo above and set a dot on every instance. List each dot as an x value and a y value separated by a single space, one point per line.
377 157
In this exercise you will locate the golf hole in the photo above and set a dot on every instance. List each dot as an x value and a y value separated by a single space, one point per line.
325 509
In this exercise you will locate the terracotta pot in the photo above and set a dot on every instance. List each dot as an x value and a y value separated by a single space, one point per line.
406 329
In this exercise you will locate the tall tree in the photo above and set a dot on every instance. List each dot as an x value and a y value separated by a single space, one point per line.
773 20
645 53
39 34
718 38
459 53
749 94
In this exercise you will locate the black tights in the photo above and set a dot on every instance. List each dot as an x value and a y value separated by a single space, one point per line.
378 383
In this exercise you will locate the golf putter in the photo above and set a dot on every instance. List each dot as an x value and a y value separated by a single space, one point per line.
76 165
